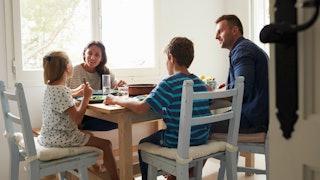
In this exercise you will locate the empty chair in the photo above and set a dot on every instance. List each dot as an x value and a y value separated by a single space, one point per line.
177 161
38 161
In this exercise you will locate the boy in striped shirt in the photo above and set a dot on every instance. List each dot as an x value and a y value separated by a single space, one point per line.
165 99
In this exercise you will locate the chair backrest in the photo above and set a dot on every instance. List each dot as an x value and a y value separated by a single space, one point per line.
186 119
16 118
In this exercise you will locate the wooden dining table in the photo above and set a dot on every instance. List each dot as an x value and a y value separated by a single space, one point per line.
125 118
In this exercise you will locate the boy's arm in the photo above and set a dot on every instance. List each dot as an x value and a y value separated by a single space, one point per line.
134 105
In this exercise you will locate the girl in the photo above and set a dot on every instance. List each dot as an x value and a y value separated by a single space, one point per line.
61 117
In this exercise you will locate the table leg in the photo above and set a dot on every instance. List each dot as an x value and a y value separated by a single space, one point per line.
249 160
125 148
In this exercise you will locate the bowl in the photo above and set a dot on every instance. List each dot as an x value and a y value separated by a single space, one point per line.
140 89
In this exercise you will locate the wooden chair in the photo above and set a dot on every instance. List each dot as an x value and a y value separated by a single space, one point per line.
177 161
38 161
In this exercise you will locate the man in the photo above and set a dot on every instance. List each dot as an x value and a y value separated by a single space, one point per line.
248 60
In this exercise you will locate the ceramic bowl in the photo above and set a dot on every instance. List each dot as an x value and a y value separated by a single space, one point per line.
140 89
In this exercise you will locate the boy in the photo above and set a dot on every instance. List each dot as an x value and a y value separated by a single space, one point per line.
166 99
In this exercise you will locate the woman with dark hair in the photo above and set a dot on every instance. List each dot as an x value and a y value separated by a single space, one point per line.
94 65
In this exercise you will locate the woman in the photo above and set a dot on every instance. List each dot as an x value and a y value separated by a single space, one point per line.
94 65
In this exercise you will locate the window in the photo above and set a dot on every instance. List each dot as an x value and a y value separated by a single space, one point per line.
135 27
130 37
258 21
125 28
52 25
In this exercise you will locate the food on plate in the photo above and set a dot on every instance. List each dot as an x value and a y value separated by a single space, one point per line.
97 97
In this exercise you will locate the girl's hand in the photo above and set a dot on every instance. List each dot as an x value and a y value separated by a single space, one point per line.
87 90
77 92
76 112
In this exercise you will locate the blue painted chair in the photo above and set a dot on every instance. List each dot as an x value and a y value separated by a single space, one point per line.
248 145
38 161
177 161
258 146
255 143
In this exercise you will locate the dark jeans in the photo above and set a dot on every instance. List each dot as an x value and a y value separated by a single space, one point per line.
222 127
155 139
95 124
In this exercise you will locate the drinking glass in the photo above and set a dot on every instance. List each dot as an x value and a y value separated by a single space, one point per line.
106 84
123 91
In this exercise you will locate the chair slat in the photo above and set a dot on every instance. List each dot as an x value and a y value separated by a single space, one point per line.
10 96
14 118
213 118
214 95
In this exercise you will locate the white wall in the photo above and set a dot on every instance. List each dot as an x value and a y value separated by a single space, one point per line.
193 19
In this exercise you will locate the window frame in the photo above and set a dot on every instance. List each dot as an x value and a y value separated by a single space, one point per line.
258 20
35 78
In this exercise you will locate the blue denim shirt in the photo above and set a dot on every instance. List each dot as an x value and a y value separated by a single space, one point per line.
249 60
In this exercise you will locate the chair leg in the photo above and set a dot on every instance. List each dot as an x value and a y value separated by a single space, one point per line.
266 155
83 173
62 175
197 170
152 172
222 170
33 170
231 165
182 171
14 166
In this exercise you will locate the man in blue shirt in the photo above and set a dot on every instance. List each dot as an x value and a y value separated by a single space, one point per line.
166 99
248 60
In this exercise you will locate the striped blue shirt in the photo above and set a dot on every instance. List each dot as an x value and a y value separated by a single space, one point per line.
166 99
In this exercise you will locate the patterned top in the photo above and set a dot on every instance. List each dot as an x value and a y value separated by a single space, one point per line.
58 130
93 78
166 99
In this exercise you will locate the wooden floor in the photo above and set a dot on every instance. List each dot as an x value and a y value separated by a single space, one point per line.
92 176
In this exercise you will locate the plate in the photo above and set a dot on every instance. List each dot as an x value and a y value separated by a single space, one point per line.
94 99
99 92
